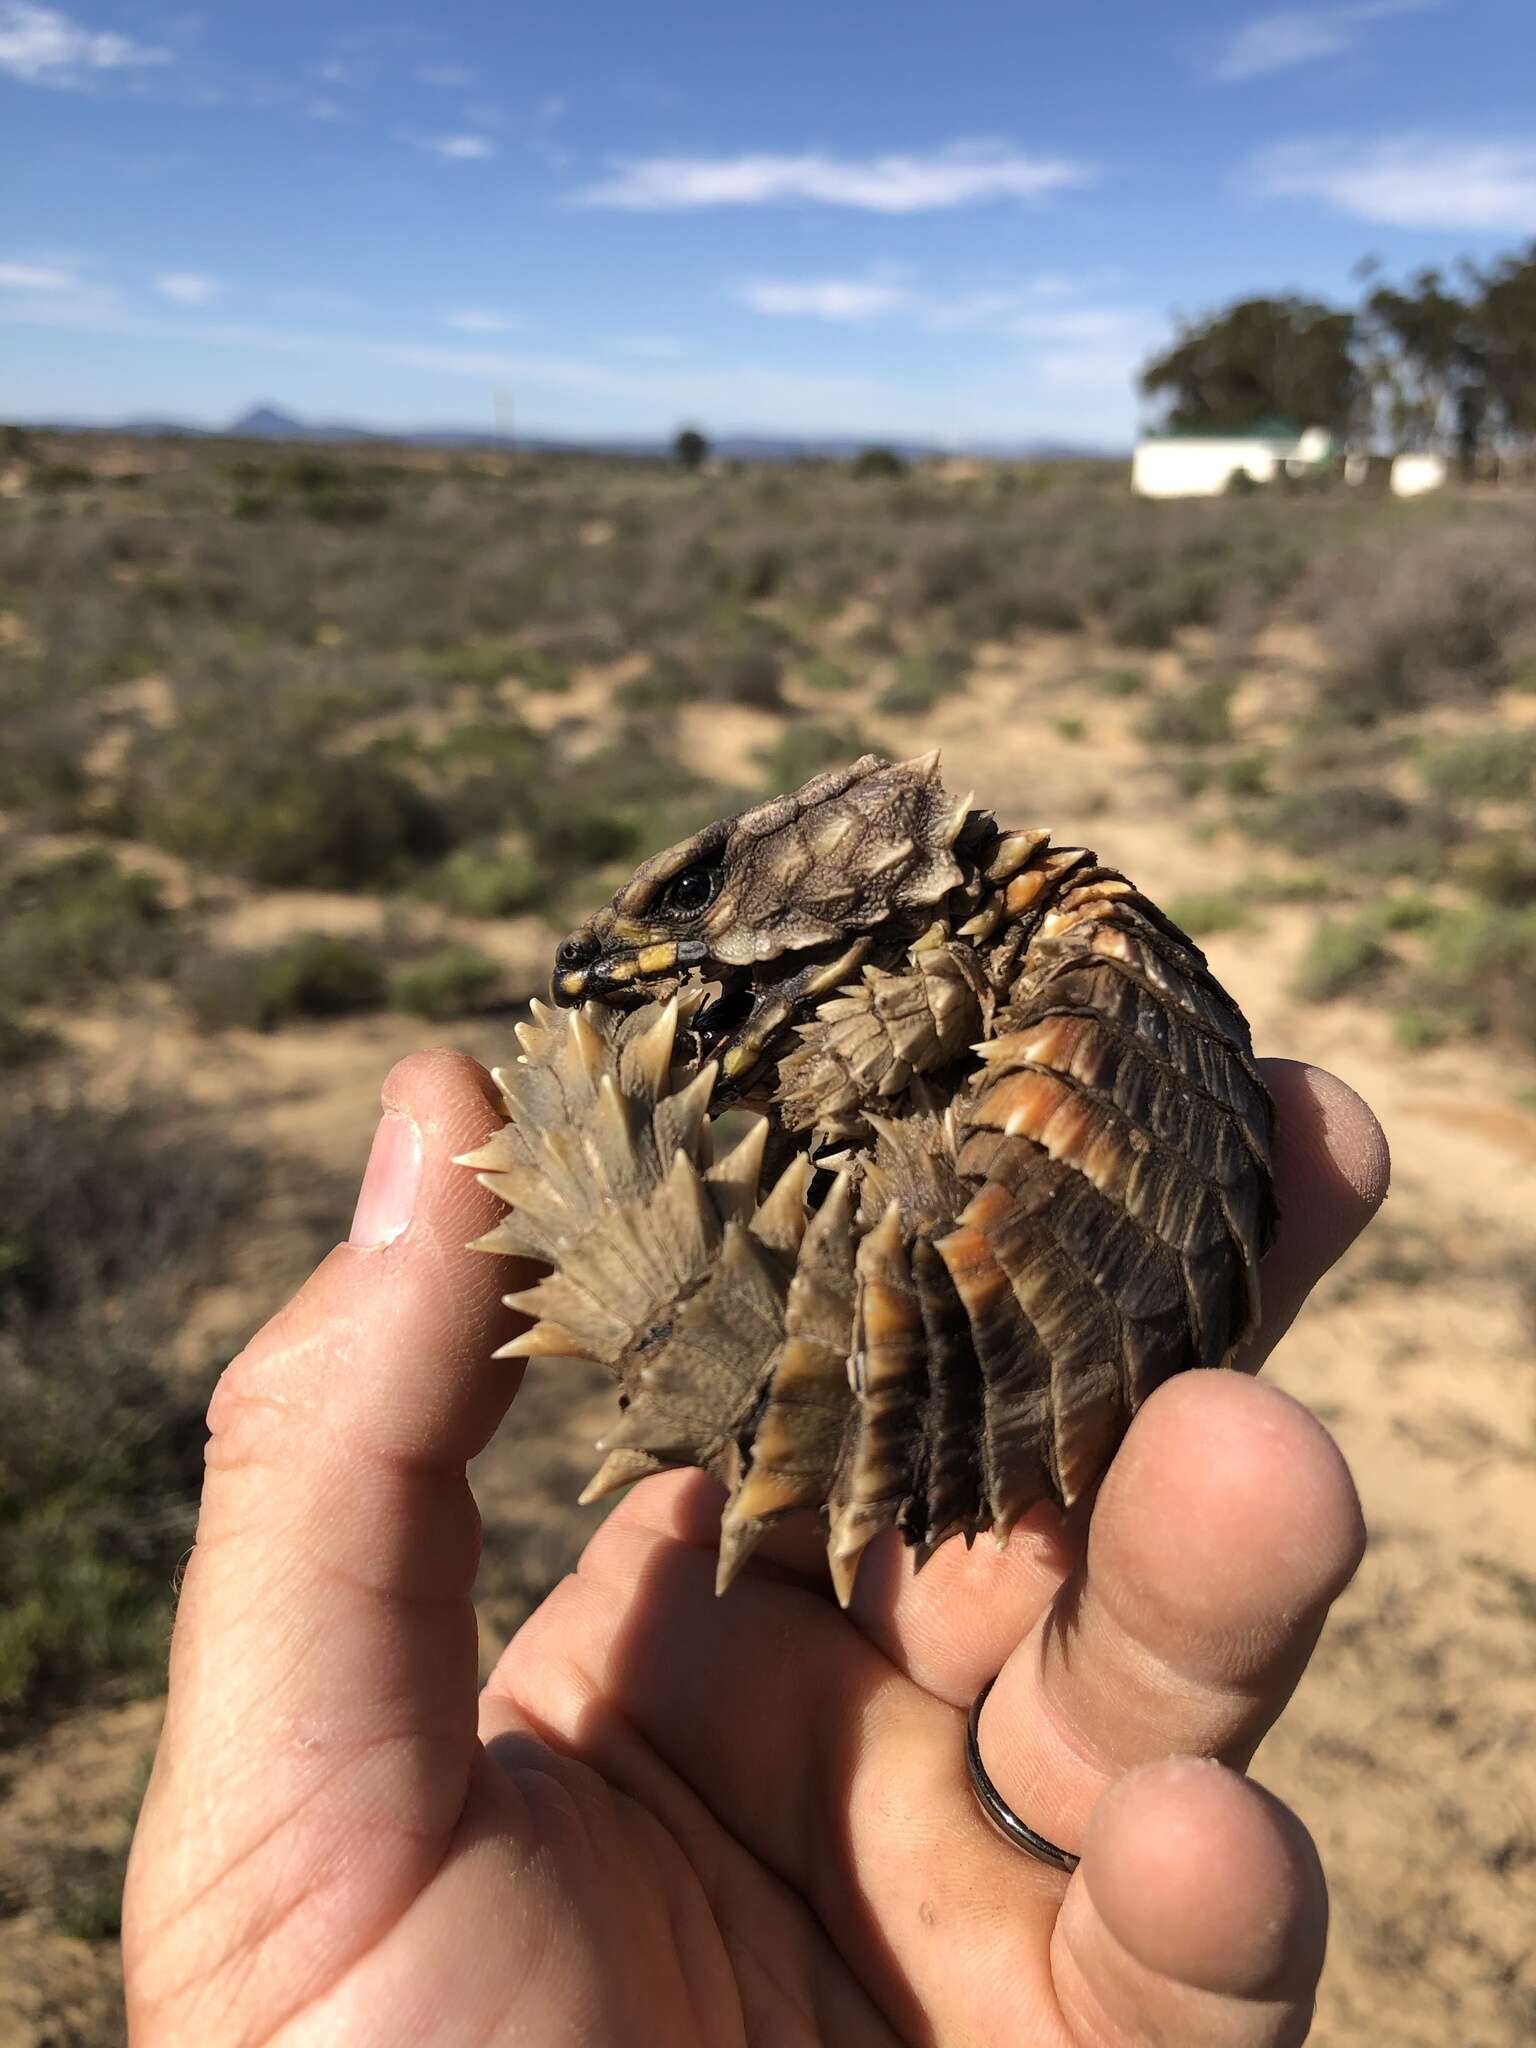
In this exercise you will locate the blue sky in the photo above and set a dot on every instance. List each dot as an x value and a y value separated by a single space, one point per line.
954 221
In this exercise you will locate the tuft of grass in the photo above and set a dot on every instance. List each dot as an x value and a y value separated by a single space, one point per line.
1418 1030
1121 682
1481 968
666 684
1301 885
1340 959
70 928
1320 818
486 881
825 676
804 750
1500 867
270 807
451 982
313 975
921 681
1245 775
110 1221
1492 767
20 1044
1204 914
1197 717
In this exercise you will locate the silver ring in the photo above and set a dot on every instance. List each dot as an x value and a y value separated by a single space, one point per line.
996 1808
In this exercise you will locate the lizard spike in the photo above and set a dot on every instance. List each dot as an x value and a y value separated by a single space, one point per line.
781 1219
734 1179
649 1056
954 824
542 1340
619 1469
586 1042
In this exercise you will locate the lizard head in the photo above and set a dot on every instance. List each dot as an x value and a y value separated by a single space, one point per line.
776 906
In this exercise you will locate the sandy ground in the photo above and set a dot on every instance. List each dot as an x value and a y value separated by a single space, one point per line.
1409 1747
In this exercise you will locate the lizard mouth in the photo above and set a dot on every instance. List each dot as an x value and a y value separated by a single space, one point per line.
726 1014
744 1025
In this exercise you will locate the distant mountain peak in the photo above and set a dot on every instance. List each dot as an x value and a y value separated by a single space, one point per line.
268 421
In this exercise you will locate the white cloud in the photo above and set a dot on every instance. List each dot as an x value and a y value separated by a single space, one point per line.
480 320
460 148
965 174
825 298
41 46
187 287
1083 323
1411 181
1278 42
37 277
1031 311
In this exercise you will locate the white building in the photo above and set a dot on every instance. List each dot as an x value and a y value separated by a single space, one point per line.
1413 475
1199 464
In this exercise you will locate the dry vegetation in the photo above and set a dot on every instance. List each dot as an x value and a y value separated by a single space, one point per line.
303 747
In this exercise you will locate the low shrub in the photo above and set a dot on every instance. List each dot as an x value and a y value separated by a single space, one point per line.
72 927
825 676
448 983
1340 959
804 750
109 1222
1209 912
1200 716
1500 867
270 807
314 975
923 680
485 881
1497 766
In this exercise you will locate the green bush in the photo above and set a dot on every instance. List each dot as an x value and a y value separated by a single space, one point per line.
312 975
60 476
876 464
1209 912
1499 866
824 676
70 928
1496 766
481 881
1324 818
20 1044
668 682
922 681
1482 968
1340 959
804 750
272 808
1200 716
110 1222
1121 682
449 983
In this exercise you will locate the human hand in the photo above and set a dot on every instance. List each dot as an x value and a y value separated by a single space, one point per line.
675 1820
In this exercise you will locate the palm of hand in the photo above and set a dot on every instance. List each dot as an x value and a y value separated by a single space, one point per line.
674 1819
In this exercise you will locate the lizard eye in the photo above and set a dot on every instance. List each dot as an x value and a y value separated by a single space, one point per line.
691 891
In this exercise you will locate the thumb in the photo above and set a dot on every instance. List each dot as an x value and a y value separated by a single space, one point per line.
324 1666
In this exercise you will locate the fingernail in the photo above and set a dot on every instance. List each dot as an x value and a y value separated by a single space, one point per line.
386 1201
